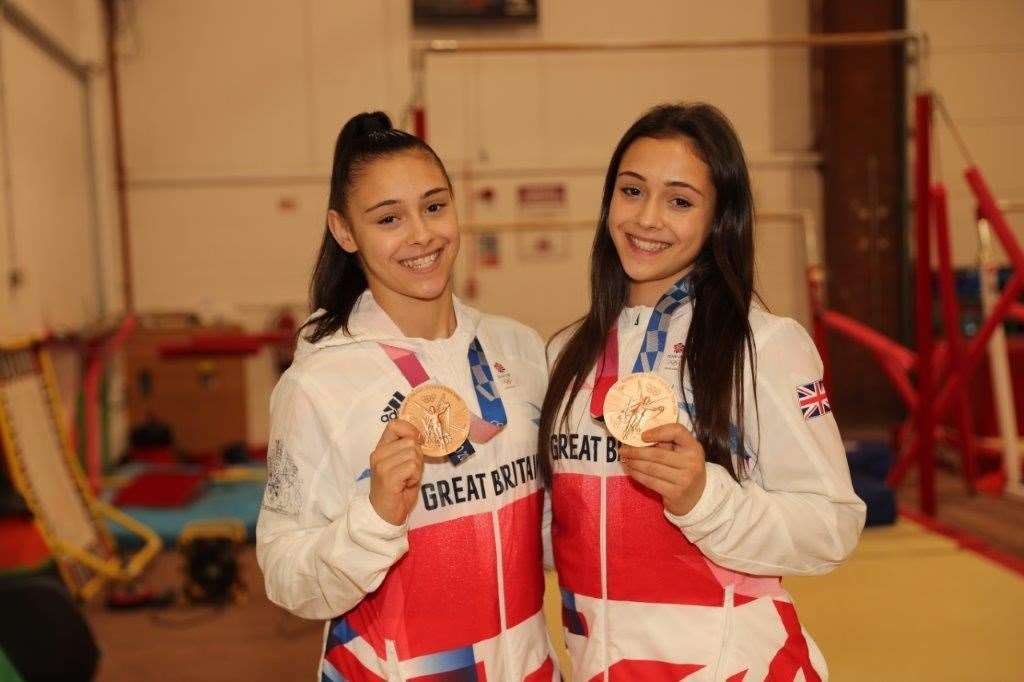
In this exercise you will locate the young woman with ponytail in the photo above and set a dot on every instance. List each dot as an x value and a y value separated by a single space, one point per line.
425 567
669 556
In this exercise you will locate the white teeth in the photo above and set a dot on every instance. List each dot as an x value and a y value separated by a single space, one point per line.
646 245
422 262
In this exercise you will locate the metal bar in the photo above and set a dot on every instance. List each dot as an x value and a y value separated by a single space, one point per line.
958 138
91 172
854 39
35 33
951 318
798 217
1008 442
251 180
12 278
923 303
128 288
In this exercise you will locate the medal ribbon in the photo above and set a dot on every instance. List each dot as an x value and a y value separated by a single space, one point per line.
481 428
651 350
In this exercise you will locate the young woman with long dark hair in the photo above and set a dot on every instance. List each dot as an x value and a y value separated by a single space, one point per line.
403 502
670 551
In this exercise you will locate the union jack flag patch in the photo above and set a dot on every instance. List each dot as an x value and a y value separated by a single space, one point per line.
813 400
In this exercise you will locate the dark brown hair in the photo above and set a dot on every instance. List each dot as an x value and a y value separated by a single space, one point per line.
722 280
338 278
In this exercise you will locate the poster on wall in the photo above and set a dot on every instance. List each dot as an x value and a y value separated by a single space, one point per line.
434 12
488 250
544 203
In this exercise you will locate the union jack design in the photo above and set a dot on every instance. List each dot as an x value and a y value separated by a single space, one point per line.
813 399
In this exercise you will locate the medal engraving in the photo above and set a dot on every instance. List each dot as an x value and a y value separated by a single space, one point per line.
636 403
440 415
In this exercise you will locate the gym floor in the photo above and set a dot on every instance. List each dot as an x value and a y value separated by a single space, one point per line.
911 604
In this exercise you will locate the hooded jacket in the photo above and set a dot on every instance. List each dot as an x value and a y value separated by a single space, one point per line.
457 589
651 596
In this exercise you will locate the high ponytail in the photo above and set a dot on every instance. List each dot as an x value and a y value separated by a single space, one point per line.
338 278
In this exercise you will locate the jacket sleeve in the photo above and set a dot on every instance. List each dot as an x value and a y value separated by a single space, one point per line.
545 529
319 542
796 513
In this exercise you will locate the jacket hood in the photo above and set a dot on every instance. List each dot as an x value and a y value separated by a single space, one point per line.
369 322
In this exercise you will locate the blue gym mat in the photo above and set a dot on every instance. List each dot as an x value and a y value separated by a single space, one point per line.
235 500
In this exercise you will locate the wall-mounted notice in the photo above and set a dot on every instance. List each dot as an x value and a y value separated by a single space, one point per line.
544 205
488 250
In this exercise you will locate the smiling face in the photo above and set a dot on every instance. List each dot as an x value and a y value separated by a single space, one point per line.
401 221
660 213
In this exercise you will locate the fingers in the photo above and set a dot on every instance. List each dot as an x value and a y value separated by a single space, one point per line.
663 488
398 429
390 450
660 452
664 472
677 434
404 464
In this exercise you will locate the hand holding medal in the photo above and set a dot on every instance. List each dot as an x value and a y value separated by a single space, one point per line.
641 411
671 464
396 467
658 453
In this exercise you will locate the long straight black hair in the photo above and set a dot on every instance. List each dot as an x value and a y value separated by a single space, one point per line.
338 278
723 284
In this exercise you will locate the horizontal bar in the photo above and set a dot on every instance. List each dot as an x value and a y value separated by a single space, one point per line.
797 160
798 217
854 39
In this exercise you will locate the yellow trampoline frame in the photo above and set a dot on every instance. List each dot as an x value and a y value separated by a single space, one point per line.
85 570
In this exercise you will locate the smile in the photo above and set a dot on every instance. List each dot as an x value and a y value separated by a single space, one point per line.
421 263
647 245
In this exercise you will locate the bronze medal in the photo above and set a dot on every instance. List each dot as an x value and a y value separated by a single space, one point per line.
636 403
441 416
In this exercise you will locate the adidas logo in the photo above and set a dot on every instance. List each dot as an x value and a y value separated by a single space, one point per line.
390 411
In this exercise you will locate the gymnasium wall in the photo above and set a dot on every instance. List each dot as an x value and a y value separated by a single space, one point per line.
60 240
229 134
976 62
231 109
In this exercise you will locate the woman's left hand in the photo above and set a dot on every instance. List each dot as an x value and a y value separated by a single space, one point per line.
673 466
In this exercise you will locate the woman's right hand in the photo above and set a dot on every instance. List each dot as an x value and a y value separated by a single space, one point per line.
396 467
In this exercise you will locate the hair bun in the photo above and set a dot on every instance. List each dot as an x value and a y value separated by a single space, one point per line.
366 124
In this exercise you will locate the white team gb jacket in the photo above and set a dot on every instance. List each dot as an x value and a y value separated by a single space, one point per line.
651 596
456 592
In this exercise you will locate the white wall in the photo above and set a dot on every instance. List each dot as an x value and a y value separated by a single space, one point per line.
224 124
231 110
976 64
52 232
501 118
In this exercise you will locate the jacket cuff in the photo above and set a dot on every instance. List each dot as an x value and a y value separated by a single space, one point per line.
369 530
718 486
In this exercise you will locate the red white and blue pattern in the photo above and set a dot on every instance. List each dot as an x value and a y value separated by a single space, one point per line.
813 399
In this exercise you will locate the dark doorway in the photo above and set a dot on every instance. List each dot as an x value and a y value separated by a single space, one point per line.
859 96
